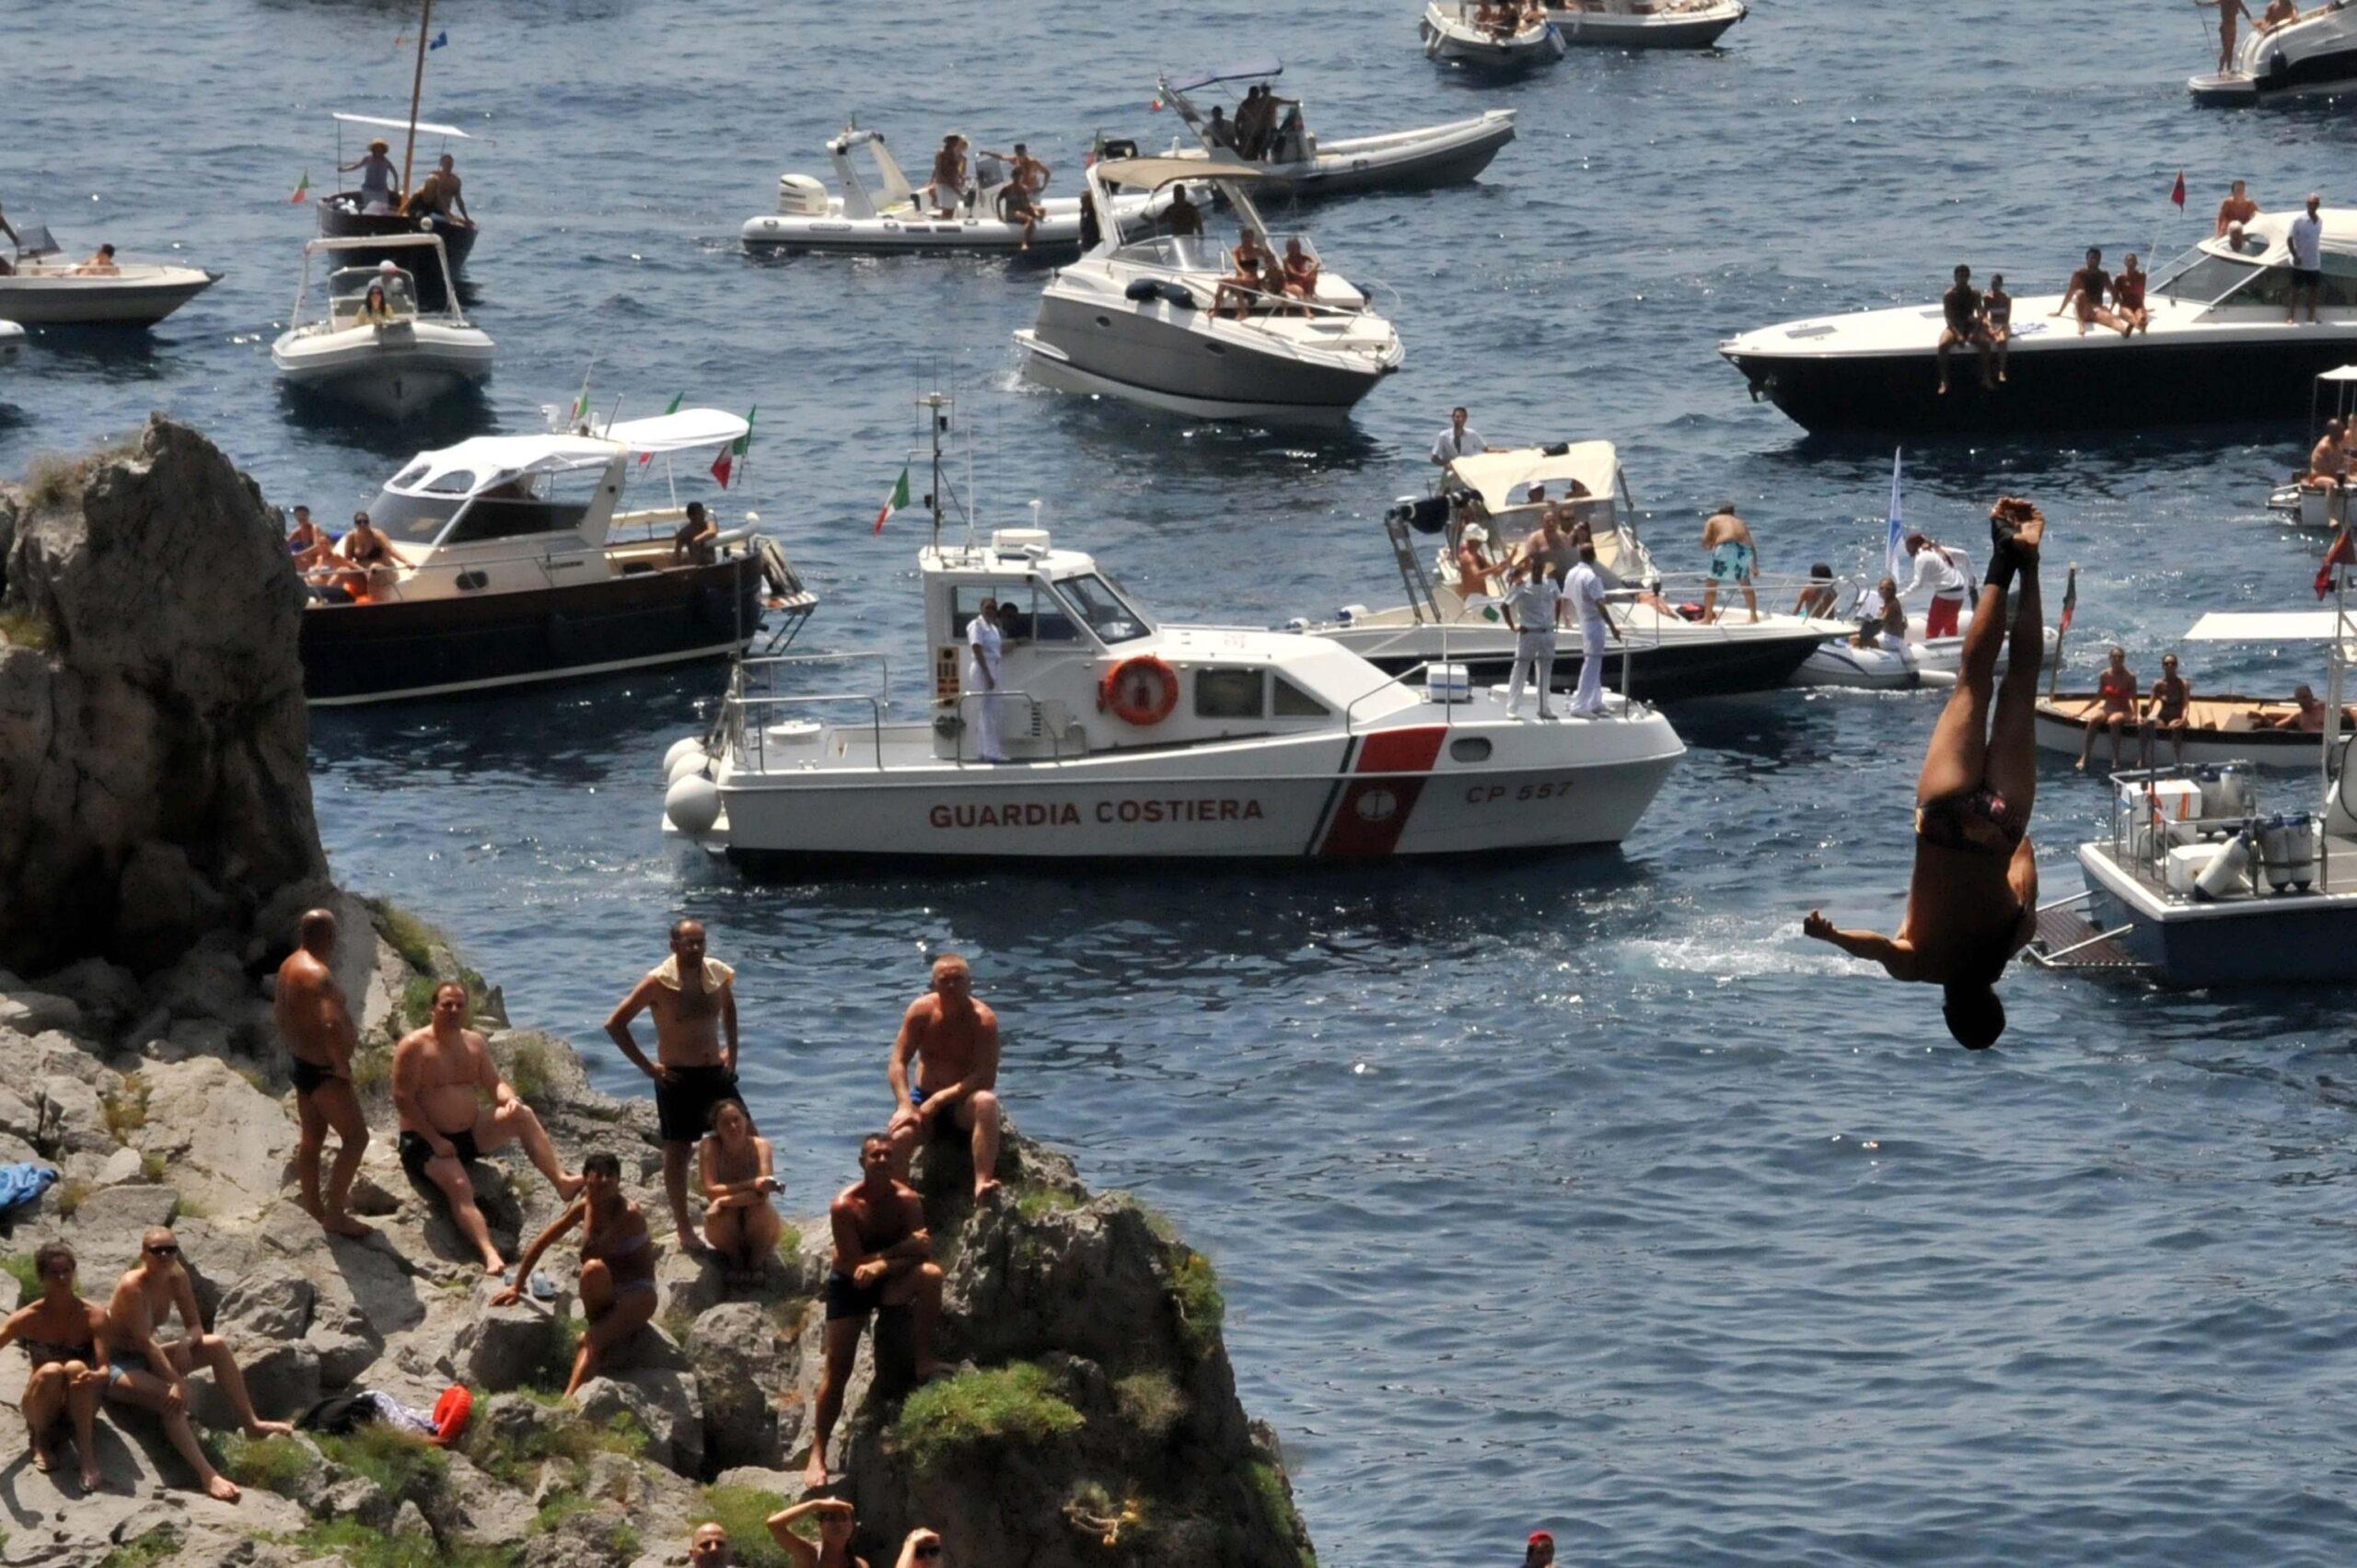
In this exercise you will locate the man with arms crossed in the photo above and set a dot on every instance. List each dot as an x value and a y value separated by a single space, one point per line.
883 1262
953 1041
439 1074
317 1027
694 1003
1973 902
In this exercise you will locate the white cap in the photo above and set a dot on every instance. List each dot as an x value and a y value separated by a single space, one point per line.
1475 530
386 266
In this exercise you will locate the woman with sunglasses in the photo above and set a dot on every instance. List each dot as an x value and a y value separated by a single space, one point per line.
617 1293
837 1520
922 1550
62 1338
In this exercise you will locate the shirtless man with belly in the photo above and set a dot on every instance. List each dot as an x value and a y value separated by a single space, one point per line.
954 1041
440 1074
694 1001
883 1264
1973 902
317 1027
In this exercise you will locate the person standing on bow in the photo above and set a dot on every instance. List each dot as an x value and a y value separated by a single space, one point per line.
985 648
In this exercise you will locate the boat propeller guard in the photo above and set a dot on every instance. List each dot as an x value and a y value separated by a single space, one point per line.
1141 691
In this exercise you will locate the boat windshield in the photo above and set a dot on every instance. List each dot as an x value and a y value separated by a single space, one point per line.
348 292
1178 253
1106 612
2199 277
412 520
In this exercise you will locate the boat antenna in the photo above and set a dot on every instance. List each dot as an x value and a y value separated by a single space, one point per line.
416 91
936 406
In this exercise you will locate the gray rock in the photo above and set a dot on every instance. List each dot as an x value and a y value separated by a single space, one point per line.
481 1510
735 1350
664 1404
123 1165
229 1145
122 1212
30 1012
410 1520
107 993
282 1379
207 983
55 1054
276 1308
190 1037
503 1347
586 1539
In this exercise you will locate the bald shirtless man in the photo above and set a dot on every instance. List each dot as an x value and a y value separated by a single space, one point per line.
1973 902
317 1027
883 1262
152 1374
694 1001
440 1074
953 1041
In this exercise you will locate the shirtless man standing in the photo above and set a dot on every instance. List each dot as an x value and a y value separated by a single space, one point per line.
883 1262
439 1074
1735 558
694 1003
153 1372
954 1041
1973 902
317 1027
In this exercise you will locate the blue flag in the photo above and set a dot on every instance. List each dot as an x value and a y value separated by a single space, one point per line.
1894 551
439 40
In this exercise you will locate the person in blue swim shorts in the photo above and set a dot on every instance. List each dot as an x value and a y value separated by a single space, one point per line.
1734 560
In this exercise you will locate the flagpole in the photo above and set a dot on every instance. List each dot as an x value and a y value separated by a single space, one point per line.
416 91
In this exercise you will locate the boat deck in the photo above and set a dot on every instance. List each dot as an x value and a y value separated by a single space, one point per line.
2065 940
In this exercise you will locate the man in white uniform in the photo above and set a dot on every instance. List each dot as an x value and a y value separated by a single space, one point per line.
1460 440
1534 606
983 646
1587 591
1941 568
2306 241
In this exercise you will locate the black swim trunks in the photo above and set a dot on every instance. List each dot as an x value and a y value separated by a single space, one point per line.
416 1151
845 1299
309 1076
1944 821
683 1106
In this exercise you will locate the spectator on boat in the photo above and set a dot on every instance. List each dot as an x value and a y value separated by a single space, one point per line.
375 309
944 1073
152 1374
1538 1551
1029 172
1556 552
1734 559
1291 143
2172 706
1943 570
985 645
1017 205
2329 459
1961 310
1300 273
308 543
1997 314
883 1262
1585 588
2240 243
692 1000
2307 715
733 1167
2128 297
948 183
1473 563
2304 239
2228 10
1534 609
1242 282
101 264
1219 131
2279 12
372 560
1182 215
1819 600
1460 440
838 1521
1092 233
440 195
1882 618
2236 210
617 1276
2116 690
1254 121
64 1339
315 1023
441 1073
697 542
2089 287
379 178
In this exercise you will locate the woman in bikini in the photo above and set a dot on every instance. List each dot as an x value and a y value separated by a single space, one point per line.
2117 687
1997 310
733 1163
617 1265
63 1338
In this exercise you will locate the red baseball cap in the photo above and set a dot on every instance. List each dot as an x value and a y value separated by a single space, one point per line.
1539 1536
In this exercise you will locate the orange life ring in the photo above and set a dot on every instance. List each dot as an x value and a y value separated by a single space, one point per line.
1142 690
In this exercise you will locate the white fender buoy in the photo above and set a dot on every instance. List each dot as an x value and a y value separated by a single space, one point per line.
679 748
2224 873
692 764
693 804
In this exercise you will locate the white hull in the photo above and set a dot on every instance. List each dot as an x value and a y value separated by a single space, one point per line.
397 375
2281 751
908 231
2311 507
1431 155
1047 365
1932 663
1448 37
138 296
12 341
2313 57
1672 26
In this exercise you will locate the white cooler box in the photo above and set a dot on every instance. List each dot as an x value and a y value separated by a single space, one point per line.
2186 864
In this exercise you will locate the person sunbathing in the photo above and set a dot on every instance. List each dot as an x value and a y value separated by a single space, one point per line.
617 1278
733 1164
65 1338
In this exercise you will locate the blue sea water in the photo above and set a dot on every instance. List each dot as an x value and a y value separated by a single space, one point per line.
1578 1193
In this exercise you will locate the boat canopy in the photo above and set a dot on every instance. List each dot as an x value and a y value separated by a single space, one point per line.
1152 173
485 463
2340 373
1238 71
1496 477
384 124
2266 626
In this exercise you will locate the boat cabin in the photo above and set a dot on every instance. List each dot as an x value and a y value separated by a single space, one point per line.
2220 275
1581 478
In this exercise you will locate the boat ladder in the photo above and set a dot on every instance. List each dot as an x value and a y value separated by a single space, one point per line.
2067 940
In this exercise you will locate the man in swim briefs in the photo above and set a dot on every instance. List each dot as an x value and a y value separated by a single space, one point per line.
316 1024
1972 903
883 1262
944 1073
2089 287
1734 559
440 1074
1960 308
694 1001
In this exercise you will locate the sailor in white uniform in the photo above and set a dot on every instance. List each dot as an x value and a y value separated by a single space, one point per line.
1533 606
982 655
1585 588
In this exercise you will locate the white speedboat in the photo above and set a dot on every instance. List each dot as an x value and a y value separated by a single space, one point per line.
1131 740
2310 56
1665 653
1298 163
2217 322
1145 319
12 341
881 212
515 562
392 358
2321 505
1643 24
47 290
1453 35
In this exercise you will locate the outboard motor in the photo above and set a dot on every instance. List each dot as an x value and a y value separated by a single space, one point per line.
1425 514
800 196
1117 146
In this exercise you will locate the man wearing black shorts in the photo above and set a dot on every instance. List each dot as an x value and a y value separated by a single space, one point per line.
694 1001
883 1264
2304 238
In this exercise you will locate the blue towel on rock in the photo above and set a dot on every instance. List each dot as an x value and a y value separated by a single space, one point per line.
22 1184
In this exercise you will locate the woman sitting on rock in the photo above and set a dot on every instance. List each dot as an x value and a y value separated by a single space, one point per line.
733 1163
62 1336
617 1265
837 1521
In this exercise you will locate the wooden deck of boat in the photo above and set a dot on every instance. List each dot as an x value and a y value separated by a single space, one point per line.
2081 946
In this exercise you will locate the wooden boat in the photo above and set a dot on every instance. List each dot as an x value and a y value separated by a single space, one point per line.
2226 729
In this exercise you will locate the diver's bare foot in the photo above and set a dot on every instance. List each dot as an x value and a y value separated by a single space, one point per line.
221 1488
492 1267
91 1479
569 1187
269 1429
344 1225
814 1474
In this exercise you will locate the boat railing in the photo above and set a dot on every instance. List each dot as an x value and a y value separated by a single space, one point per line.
1624 646
730 546
2140 837
1036 721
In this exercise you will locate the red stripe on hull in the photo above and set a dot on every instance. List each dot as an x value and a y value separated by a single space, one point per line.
1373 810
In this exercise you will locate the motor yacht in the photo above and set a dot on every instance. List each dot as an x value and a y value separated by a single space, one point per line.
1145 317
2219 348
1643 24
1297 163
392 358
2311 57
880 211
1668 651
44 289
1454 35
514 561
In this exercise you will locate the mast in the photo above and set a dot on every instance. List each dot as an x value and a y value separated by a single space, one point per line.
416 90
937 406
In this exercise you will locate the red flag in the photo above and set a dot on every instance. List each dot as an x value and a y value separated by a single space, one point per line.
2070 602
723 463
2342 554
2177 195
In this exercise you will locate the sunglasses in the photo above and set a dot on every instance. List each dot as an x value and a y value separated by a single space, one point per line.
167 1250
927 1552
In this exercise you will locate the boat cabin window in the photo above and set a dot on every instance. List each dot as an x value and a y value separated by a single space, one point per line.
524 505
1030 617
2200 278
1105 611
1179 252
348 291
412 520
1292 702
1227 693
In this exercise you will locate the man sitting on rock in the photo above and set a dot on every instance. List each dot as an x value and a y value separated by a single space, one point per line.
954 1041
618 1291
883 1261
694 1006
440 1072
317 1027
152 1374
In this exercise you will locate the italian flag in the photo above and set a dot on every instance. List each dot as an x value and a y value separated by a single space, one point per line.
581 406
725 464
646 457
894 502
303 189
